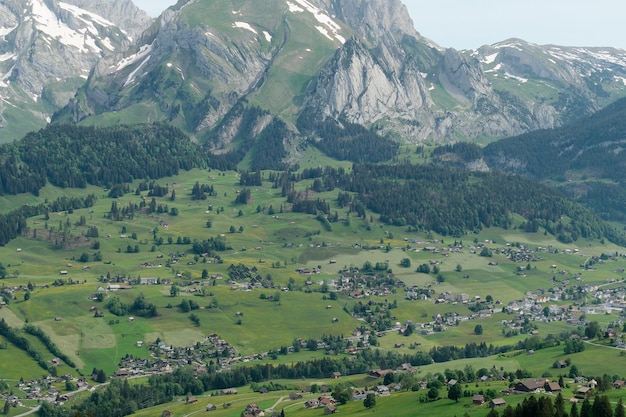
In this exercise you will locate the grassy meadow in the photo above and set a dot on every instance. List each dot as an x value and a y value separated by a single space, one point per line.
61 301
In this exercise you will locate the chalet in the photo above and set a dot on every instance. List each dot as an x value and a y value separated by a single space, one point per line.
66 397
583 392
619 383
478 399
295 396
358 394
335 375
313 403
553 387
326 400
192 400
561 364
530 385
407 367
211 407
380 373
166 413
118 287
497 402
330 409
148 281
382 390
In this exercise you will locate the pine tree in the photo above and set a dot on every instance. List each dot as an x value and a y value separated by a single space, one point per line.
619 409
559 406
602 407
585 409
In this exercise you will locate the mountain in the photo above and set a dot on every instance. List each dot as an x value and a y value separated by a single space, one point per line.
583 158
204 64
48 50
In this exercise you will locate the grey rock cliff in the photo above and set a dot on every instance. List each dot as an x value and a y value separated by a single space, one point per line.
48 50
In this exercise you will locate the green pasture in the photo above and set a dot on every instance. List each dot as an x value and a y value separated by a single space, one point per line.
276 245
16 363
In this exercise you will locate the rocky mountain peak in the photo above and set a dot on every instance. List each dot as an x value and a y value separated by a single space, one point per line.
48 49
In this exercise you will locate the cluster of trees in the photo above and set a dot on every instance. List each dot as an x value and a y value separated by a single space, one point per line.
13 224
545 406
267 146
139 307
201 191
348 141
301 203
210 246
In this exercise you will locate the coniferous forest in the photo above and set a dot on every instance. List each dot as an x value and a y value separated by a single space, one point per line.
73 156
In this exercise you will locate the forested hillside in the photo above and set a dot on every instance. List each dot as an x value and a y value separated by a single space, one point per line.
72 156
453 202
591 147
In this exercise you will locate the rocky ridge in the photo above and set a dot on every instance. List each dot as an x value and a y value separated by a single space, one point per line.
360 61
49 48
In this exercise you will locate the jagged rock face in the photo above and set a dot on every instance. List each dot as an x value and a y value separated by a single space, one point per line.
49 48
375 20
198 61
123 13
357 60
355 87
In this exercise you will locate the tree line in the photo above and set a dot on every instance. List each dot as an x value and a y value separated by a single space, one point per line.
454 201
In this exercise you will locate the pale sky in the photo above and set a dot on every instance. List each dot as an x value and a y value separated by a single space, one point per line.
469 24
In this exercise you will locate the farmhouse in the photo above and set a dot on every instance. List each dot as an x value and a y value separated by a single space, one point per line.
478 399
583 392
553 387
497 402
330 409
530 385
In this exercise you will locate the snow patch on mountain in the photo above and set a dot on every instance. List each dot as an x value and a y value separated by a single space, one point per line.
329 27
246 26
294 8
82 13
515 77
129 60
132 75
490 59
4 31
83 39
7 56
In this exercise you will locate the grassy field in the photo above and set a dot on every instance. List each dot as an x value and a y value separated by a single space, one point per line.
275 245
